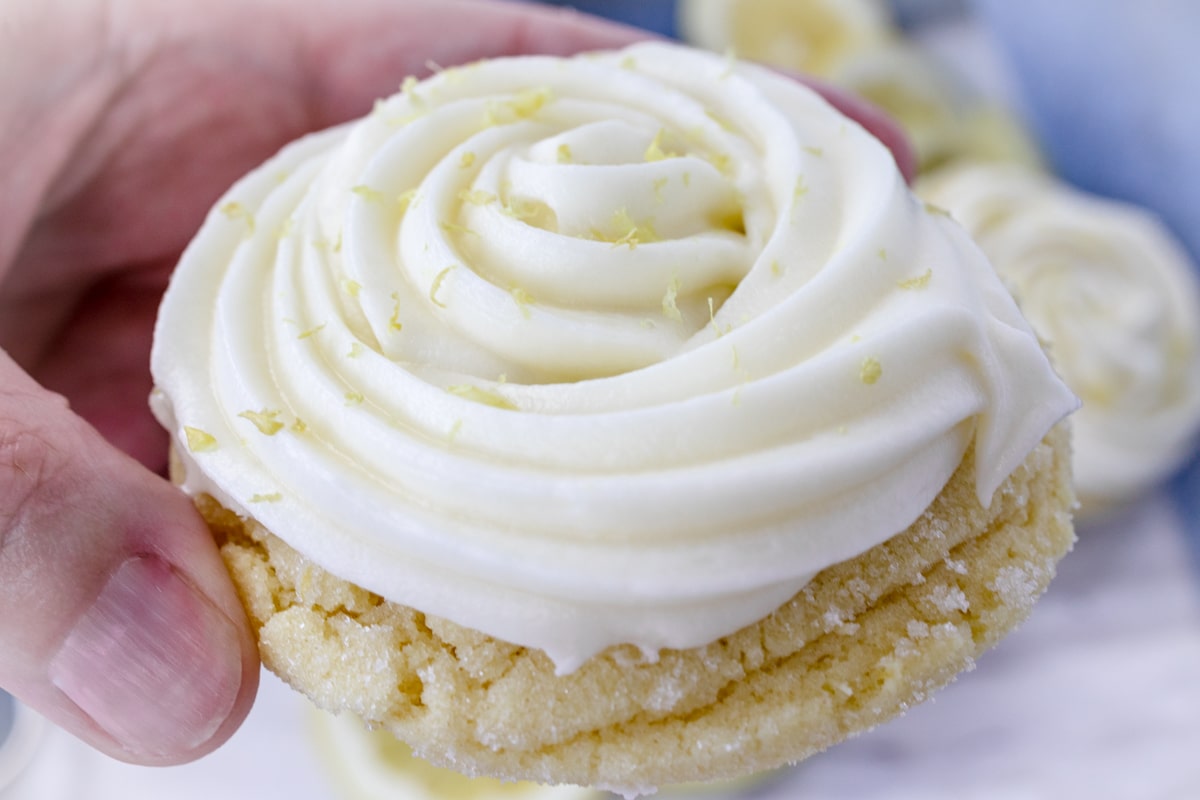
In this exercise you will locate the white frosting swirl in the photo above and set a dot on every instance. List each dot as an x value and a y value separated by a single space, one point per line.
1117 302
622 348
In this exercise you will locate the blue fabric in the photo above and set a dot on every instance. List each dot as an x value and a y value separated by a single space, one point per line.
1186 491
1113 87
653 15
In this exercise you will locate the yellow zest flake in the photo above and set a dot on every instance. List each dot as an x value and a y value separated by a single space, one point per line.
503 378
394 319
454 227
883 254
528 102
722 162
655 151
407 200
367 193
337 244
409 88
455 429
712 320
670 308
648 324
437 284
476 197
311 331
659 185
737 358
199 441
870 371
919 282
356 350
855 339
776 268
801 189
564 154
936 210
467 160
351 287
687 179
483 396
354 398
816 151
527 211
267 421
236 211
300 426
273 497
628 62
523 300
635 232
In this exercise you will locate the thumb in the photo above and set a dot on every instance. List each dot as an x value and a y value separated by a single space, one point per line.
117 619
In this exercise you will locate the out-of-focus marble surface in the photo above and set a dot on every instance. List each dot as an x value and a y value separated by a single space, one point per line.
1097 696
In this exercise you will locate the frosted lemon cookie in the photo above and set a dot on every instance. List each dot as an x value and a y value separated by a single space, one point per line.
1114 295
620 420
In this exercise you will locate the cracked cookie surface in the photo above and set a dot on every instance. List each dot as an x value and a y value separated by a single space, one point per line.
863 641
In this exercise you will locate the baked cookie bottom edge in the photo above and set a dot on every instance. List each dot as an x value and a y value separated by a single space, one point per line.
865 640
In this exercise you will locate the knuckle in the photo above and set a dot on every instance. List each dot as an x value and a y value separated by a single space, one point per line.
29 465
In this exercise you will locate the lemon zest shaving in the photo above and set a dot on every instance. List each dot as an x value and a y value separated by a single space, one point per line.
523 300
476 197
482 396
628 62
199 441
721 161
407 200
351 287
655 151
776 267
919 282
455 429
437 284
520 208
670 306
299 426
454 227
367 193
466 160
937 210
311 331
659 185
883 254
870 370
272 497
819 152
356 350
635 232
394 319
564 154
687 179
266 420
528 102
235 211
354 398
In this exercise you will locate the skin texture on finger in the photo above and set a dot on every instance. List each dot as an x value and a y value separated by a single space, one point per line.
118 618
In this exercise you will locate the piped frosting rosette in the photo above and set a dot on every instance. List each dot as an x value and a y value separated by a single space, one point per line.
622 348
1115 298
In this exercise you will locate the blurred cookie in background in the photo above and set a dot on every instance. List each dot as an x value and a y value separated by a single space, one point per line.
1117 301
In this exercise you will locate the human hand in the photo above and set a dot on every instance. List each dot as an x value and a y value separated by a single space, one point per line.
121 121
